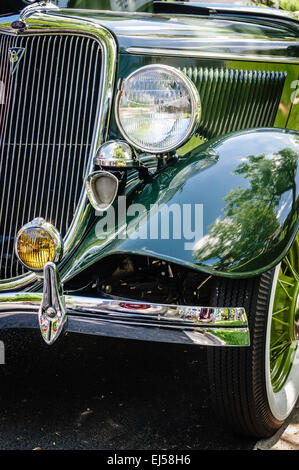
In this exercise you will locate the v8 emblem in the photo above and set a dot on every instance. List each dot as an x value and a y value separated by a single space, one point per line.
15 54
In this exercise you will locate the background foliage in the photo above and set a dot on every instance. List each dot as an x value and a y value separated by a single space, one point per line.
290 5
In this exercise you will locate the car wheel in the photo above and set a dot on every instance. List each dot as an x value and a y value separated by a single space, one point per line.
255 389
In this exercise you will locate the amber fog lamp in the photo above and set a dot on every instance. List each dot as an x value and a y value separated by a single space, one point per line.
37 243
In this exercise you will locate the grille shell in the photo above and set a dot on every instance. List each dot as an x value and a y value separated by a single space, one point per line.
48 119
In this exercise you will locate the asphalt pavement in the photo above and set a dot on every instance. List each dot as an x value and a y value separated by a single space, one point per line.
102 393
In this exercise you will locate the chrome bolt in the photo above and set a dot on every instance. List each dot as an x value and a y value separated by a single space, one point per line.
51 313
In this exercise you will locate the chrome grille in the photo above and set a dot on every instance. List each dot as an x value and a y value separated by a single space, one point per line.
236 99
48 116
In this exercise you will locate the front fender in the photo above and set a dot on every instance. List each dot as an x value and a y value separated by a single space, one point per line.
247 186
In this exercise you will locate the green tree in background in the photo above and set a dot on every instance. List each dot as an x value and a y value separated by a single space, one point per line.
289 5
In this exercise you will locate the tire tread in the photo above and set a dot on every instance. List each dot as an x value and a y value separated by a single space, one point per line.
236 375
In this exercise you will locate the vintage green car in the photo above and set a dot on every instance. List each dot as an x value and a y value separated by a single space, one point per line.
149 185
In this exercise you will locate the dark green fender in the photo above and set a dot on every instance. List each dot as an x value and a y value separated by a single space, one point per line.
247 183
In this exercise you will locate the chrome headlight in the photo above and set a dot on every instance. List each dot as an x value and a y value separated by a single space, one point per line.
157 108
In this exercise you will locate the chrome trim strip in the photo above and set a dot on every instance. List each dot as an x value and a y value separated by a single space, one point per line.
40 23
210 55
227 326
201 316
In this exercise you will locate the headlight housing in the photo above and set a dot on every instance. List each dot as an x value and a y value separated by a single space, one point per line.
157 108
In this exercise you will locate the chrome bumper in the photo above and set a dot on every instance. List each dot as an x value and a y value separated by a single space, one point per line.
209 326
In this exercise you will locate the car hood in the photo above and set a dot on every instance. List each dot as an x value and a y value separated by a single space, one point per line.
194 35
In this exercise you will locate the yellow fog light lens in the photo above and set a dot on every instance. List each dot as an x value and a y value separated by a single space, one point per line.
37 243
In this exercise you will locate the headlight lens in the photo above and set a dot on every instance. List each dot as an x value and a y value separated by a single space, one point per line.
157 108
37 243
